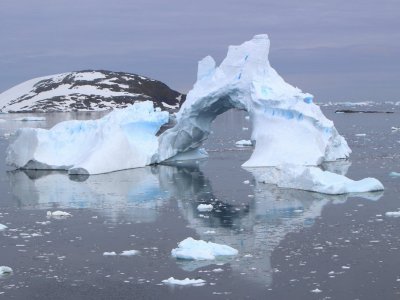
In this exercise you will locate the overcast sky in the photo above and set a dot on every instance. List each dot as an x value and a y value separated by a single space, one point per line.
345 50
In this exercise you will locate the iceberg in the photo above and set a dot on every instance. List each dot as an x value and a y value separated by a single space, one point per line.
316 180
191 249
123 139
287 127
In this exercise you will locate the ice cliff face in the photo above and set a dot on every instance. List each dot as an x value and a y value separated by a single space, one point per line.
287 126
87 91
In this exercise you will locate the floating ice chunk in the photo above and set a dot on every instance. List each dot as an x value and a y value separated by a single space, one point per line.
30 119
129 252
123 139
191 249
361 134
395 128
186 281
394 174
315 180
5 270
244 143
392 214
205 207
112 253
58 213
317 290
3 227
246 182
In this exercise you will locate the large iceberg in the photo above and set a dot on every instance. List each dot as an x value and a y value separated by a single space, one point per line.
123 139
287 126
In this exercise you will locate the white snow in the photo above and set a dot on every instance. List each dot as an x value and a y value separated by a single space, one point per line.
30 119
244 143
205 207
3 227
112 253
315 180
392 214
191 249
129 252
123 139
58 213
186 281
5 270
287 126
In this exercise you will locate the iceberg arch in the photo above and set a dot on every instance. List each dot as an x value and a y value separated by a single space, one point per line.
288 128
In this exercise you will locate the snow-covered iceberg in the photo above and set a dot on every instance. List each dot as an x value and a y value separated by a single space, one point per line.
123 139
315 180
287 126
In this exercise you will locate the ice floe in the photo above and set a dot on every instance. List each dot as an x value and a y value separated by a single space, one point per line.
205 207
58 213
316 180
3 227
244 143
191 249
186 281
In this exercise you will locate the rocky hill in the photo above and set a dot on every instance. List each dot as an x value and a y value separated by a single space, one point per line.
87 91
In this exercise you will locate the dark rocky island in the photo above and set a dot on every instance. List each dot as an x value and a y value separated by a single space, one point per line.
88 91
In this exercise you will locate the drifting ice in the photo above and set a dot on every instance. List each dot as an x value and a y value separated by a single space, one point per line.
287 126
186 281
315 180
191 249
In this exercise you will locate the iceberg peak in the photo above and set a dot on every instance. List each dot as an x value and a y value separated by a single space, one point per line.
287 126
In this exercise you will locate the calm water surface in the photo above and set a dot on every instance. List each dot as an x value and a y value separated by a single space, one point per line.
292 244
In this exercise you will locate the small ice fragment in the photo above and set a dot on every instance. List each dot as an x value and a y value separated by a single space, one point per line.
112 253
5 270
58 213
345 267
246 182
3 227
244 143
361 134
392 214
394 174
129 252
317 290
218 270
245 128
205 207
248 118
186 281
191 249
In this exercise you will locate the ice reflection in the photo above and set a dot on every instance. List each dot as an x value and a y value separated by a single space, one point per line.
131 195
255 227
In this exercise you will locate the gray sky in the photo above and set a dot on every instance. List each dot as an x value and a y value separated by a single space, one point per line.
345 50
